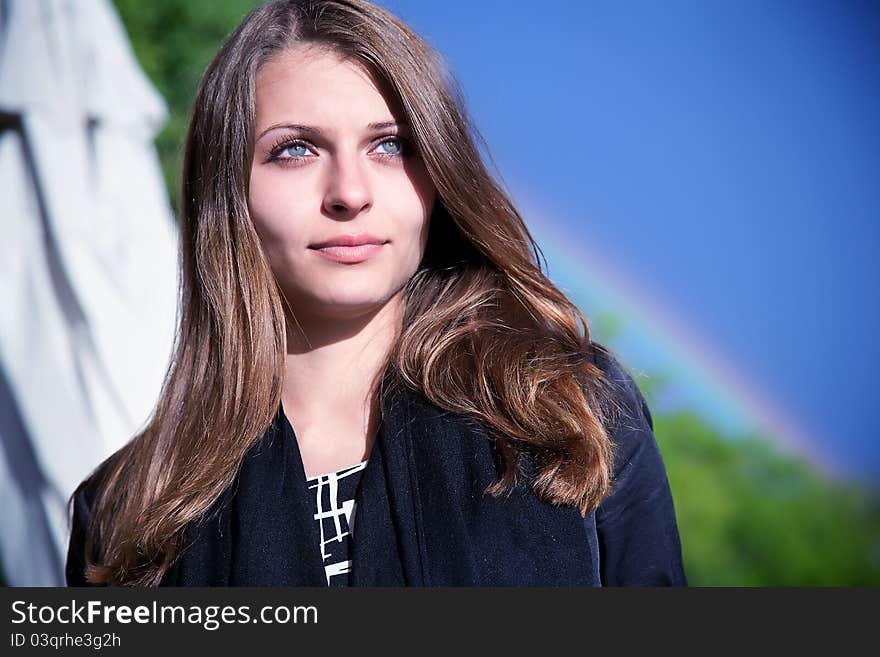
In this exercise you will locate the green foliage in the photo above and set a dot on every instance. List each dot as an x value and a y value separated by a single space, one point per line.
605 326
174 41
751 516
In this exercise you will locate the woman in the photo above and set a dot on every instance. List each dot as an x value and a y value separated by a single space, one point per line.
374 383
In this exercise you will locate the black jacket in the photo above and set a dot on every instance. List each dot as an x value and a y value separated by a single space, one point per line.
422 517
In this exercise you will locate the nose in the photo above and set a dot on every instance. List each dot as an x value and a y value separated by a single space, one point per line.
348 191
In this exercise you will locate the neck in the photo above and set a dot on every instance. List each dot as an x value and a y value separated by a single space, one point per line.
332 367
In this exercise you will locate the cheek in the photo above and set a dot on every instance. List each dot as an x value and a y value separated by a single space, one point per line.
422 197
415 222
274 211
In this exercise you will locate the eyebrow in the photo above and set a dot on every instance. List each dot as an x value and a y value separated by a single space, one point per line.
311 130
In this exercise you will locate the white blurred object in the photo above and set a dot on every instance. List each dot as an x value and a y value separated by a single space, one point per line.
88 265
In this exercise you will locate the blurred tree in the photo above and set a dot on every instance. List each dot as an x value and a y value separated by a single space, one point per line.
605 326
174 40
751 516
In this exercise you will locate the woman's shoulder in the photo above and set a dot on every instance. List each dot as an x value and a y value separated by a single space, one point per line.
85 496
83 502
629 409
90 488
636 523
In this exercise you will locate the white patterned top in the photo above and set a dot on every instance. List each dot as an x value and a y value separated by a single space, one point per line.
334 513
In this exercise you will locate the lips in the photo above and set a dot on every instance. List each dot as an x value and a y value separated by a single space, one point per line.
349 249
349 240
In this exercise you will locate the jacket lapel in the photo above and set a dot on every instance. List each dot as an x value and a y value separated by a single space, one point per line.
277 541
383 550
261 531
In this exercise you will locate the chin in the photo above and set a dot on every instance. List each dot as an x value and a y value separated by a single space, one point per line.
351 305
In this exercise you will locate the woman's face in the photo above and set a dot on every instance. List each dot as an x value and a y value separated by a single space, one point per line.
341 203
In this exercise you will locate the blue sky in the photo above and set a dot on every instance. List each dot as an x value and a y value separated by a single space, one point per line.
721 160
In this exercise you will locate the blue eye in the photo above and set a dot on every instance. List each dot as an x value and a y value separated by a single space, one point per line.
296 150
395 147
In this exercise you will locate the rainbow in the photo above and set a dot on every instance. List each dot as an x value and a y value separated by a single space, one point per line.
720 389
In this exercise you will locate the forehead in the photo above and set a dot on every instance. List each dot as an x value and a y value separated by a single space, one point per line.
313 84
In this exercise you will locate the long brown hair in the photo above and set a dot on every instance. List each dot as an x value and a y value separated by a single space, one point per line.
485 332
